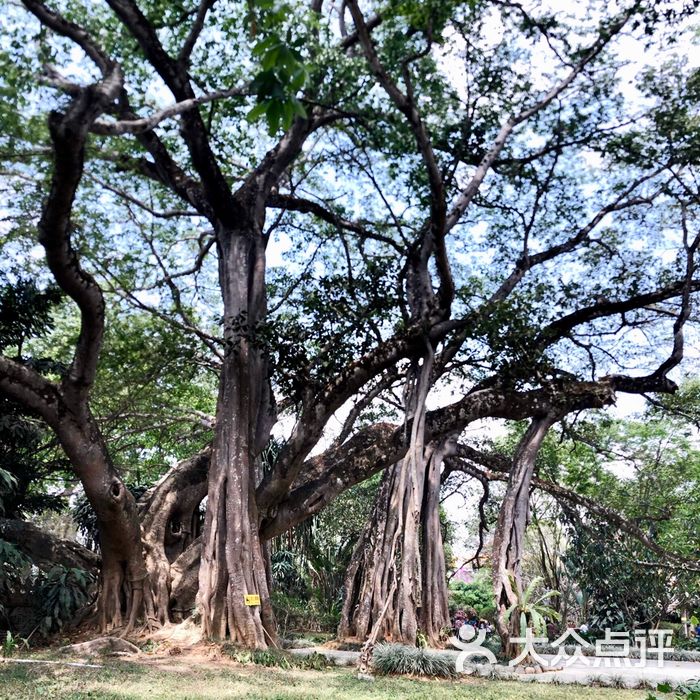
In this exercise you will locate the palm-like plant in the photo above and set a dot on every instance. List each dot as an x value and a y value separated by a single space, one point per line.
532 613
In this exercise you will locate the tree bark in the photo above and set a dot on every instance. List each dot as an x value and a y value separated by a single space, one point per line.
400 552
434 611
65 406
170 524
233 564
510 531
385 583
125 591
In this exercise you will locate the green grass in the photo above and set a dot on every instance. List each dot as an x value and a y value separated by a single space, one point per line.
177 681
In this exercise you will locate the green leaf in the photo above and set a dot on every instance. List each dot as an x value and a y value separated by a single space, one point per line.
258 111
274 115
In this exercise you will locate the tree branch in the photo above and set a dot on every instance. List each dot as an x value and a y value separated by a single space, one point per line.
467 195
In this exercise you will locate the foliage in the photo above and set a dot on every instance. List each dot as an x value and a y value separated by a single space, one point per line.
27 313
400 659
644 468
139 219
688 691
285 574
478 594
9 645
62 592
294 614
14 572
309 562
7 485
531 612
57 593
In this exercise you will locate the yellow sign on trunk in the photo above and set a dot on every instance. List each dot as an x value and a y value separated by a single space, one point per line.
252 599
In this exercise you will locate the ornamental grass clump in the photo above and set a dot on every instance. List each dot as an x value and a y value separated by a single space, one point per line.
398 659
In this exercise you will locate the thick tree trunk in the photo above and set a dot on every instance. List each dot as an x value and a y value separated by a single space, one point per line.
125 592
510 532
233 563
385 581
434 612
400 555
388 555
170 524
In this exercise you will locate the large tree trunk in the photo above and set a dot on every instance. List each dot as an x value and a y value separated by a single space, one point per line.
233 564
400 556
125 592
510 532
388 557
170 524
434 611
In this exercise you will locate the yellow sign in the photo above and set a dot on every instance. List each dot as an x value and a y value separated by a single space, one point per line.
252 599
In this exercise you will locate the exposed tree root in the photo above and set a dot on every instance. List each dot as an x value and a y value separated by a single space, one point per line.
101 645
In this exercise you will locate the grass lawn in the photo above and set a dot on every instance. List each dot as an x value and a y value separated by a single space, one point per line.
173 679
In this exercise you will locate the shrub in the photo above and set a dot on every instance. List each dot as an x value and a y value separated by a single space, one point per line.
477 595
400 660
62 591
690 690
14 571
286 575
295 614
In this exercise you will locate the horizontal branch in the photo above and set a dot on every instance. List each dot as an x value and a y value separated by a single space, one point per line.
45 548
137 126
378 446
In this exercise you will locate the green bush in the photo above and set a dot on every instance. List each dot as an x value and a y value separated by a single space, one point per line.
295 614
62 591
477 595
14 571
398 659
690 690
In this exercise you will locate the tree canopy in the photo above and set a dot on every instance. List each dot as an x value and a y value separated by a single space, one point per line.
358 228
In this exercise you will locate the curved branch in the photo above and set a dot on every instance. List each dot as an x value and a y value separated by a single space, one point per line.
68 134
